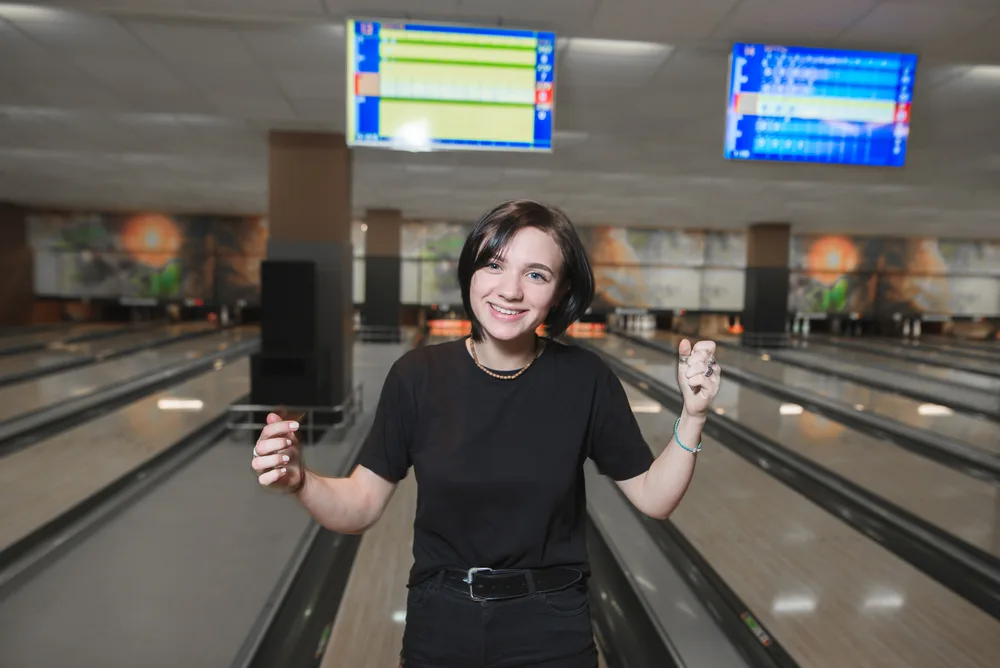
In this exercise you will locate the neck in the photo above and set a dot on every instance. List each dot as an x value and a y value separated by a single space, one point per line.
506 355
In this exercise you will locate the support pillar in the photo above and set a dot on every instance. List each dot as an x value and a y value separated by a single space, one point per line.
381 312
307 324
17 289
765 301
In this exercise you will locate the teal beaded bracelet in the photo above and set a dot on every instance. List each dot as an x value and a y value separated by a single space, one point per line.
678 439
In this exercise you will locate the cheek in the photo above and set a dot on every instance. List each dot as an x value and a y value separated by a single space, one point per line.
544 296
480 285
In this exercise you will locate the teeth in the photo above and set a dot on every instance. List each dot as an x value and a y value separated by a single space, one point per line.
504 310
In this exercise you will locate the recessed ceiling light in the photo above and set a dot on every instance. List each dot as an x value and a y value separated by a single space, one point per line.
614 47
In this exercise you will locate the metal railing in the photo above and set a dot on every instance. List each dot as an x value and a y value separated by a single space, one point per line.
316 421
379 334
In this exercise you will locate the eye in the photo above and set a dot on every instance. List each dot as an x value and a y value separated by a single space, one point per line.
536 276
495 266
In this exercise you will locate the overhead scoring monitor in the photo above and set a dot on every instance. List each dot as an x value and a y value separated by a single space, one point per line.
420 87
819 105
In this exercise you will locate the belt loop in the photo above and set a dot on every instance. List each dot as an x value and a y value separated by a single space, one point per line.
529 576
438 580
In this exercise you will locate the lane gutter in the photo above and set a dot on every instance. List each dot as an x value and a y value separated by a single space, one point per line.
966 570
23 430
966 458
30 555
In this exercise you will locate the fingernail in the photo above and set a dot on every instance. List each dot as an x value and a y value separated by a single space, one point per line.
288 441
293 425
283 469
284 458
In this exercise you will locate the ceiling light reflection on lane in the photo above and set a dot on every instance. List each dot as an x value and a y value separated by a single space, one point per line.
794 604
884 600
646 406
928 410
790 409
179 404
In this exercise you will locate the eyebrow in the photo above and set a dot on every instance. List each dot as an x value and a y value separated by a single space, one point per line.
539 265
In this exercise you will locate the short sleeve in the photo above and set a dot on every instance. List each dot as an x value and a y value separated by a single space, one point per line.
617 444
386 450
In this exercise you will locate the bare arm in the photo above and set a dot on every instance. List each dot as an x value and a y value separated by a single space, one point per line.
346 505
658 491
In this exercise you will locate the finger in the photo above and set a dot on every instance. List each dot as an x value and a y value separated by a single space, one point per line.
695 369
269 462
707 346
272 446
278 429
272 418
271 476
684 349
700 355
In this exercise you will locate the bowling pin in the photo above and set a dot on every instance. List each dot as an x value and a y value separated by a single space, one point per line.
906 328
805 327
916 328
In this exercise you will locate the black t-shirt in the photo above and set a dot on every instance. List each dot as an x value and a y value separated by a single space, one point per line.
499 463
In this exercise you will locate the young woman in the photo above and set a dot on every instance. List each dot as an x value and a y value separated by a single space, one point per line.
497 427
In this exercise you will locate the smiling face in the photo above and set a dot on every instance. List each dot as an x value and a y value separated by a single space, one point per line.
512 295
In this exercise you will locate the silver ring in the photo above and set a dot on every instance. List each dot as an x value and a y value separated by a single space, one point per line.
255 451
684 359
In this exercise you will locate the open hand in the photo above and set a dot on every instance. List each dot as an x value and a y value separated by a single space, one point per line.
698 376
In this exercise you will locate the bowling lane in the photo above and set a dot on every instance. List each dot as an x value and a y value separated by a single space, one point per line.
916 370
956 503
968 350
55 335
938 419
39 393
180 576
830 595
969 399
52 476
926 355
55 356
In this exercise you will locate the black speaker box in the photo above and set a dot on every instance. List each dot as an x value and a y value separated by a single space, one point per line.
288 306
301 379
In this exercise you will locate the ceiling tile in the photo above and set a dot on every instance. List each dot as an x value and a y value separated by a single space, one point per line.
791 22
894 25
76 32
659 20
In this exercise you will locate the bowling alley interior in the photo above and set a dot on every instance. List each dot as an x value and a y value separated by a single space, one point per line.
213 211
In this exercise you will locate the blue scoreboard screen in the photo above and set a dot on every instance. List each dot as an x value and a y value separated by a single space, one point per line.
819 105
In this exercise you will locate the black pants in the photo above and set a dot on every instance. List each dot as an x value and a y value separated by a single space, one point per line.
445 628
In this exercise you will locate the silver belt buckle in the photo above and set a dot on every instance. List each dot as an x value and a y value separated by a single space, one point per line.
468 581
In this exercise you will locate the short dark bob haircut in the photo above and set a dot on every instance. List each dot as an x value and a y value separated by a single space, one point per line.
494 231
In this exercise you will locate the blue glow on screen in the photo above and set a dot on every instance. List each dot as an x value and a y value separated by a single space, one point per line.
819 105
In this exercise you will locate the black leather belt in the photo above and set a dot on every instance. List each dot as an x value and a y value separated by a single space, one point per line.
485 584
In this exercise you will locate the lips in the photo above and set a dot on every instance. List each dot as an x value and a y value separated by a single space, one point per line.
506 311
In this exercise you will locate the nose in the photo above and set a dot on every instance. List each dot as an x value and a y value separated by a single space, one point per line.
510 288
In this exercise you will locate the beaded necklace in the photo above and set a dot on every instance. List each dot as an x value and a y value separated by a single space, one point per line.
500 376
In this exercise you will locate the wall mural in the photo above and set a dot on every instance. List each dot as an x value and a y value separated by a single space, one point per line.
843 274
152 255
632 267
217 258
